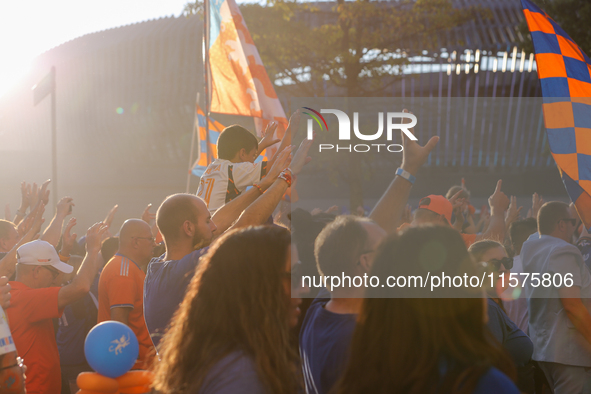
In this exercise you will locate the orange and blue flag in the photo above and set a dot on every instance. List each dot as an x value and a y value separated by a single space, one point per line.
239 82
207 146
564 71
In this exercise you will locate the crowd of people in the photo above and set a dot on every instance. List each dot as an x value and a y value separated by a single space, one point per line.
211 285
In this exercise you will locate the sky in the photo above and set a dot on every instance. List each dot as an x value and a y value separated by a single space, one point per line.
31 27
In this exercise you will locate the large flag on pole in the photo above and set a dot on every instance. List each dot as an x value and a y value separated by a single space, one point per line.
564 73
207 147
239 82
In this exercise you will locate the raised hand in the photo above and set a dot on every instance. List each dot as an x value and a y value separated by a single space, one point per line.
513 212
25 197
414 155
294 123
537 202
64 207
281 163
498 201
25 225
147 216
109 219
34 196
301 157
37 214
334 210
459 203
94 237
44 193
68 239
268 139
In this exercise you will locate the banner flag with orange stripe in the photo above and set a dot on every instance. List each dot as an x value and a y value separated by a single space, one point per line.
207 146
564 71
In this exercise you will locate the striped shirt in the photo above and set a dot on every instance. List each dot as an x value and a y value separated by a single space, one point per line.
121 285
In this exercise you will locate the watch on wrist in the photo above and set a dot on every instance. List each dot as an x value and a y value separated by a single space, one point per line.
406 175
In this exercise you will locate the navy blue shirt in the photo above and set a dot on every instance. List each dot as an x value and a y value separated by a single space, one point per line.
235 373
76 321
164 289
515 341
495 382
325 339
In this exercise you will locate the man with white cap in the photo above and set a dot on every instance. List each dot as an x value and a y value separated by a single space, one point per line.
37 299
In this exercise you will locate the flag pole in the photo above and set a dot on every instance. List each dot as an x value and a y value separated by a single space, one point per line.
206 72
53 137
195 131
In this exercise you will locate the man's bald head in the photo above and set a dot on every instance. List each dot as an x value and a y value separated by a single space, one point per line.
136 241
134 228
176 210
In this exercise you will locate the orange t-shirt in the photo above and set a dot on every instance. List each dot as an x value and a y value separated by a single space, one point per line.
29 317
122 285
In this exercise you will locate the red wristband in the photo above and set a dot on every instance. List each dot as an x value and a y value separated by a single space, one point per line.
258 187
286 176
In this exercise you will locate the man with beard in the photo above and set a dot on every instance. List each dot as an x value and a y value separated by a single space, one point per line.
188 228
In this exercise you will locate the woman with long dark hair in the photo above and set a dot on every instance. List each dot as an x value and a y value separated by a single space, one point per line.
424 345
231 333
493 256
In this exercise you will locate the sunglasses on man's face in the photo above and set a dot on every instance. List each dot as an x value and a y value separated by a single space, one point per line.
506 261
54 273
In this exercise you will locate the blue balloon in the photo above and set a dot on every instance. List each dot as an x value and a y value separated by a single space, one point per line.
111 348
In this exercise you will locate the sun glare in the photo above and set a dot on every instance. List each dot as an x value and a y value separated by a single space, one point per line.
12 71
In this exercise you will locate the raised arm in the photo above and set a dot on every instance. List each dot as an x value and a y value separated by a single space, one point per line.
80 285
68 239
389 208
498 203
268 139
34 220
25 198
227 214
53 232
292 128
260 210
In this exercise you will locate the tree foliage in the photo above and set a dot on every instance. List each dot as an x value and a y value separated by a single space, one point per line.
356 46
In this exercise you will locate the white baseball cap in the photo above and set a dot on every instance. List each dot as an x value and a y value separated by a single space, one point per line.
41 253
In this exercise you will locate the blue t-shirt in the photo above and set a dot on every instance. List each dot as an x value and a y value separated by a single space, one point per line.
491 382
164 289
515 341
74 324
495 382
325 338
235 373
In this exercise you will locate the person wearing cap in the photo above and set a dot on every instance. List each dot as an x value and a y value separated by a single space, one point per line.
37 298
121 285
435 209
